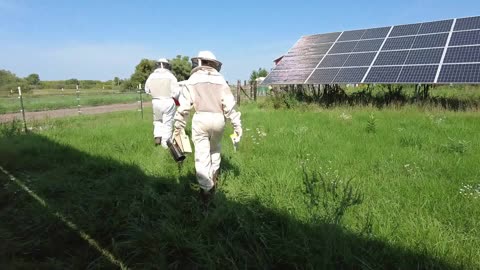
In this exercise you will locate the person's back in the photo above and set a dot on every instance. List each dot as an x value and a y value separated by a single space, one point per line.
163 87
161 84
208 93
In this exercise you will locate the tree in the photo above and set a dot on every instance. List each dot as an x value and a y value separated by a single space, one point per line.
142 71
181 67
72 83
116 81
261 72
33 79
10 81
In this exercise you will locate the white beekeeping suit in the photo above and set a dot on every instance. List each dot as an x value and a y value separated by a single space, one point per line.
207 91
163 87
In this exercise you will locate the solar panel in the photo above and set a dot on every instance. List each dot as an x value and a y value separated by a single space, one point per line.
383 74
350 75
351 35
462 54
426 56
323 75
436 27
467 23
465 38
391 58
299 62
359 60
376 33
405 30
400 43
465 73
371 45
417 74
288 76
430 41
446 51
343 47
336 60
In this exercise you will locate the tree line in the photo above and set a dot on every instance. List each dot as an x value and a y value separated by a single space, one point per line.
181 68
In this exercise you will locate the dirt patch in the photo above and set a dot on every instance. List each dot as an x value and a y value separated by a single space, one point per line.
32 116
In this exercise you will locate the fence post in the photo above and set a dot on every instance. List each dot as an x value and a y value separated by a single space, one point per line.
255 90
251 89
141 98
78 101
23 109
238 92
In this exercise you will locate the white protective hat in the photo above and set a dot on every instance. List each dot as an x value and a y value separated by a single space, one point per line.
208 56
163 63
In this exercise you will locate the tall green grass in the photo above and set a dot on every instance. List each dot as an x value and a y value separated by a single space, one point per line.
343 188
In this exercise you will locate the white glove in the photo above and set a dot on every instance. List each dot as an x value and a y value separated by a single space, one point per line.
239 132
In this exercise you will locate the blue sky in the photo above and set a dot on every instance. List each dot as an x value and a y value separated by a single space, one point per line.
103 39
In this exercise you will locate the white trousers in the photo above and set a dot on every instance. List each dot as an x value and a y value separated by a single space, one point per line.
163 113
207 132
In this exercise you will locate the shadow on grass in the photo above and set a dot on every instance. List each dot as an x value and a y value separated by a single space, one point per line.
156 223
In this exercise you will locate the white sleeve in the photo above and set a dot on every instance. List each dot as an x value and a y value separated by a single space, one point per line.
183 110
175 87
230 112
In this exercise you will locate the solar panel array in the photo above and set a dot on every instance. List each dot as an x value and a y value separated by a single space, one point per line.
445 51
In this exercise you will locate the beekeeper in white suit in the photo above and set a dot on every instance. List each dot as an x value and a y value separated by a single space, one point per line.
163 87
207 91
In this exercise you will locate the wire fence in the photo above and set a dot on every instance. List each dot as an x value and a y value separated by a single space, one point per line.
17 105
22 105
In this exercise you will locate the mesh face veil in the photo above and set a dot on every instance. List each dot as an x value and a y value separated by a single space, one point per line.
198 62
164 65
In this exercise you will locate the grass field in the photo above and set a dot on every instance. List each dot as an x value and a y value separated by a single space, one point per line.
42 100
344 188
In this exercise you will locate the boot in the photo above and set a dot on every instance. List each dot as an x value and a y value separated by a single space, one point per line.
158 141
207 196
